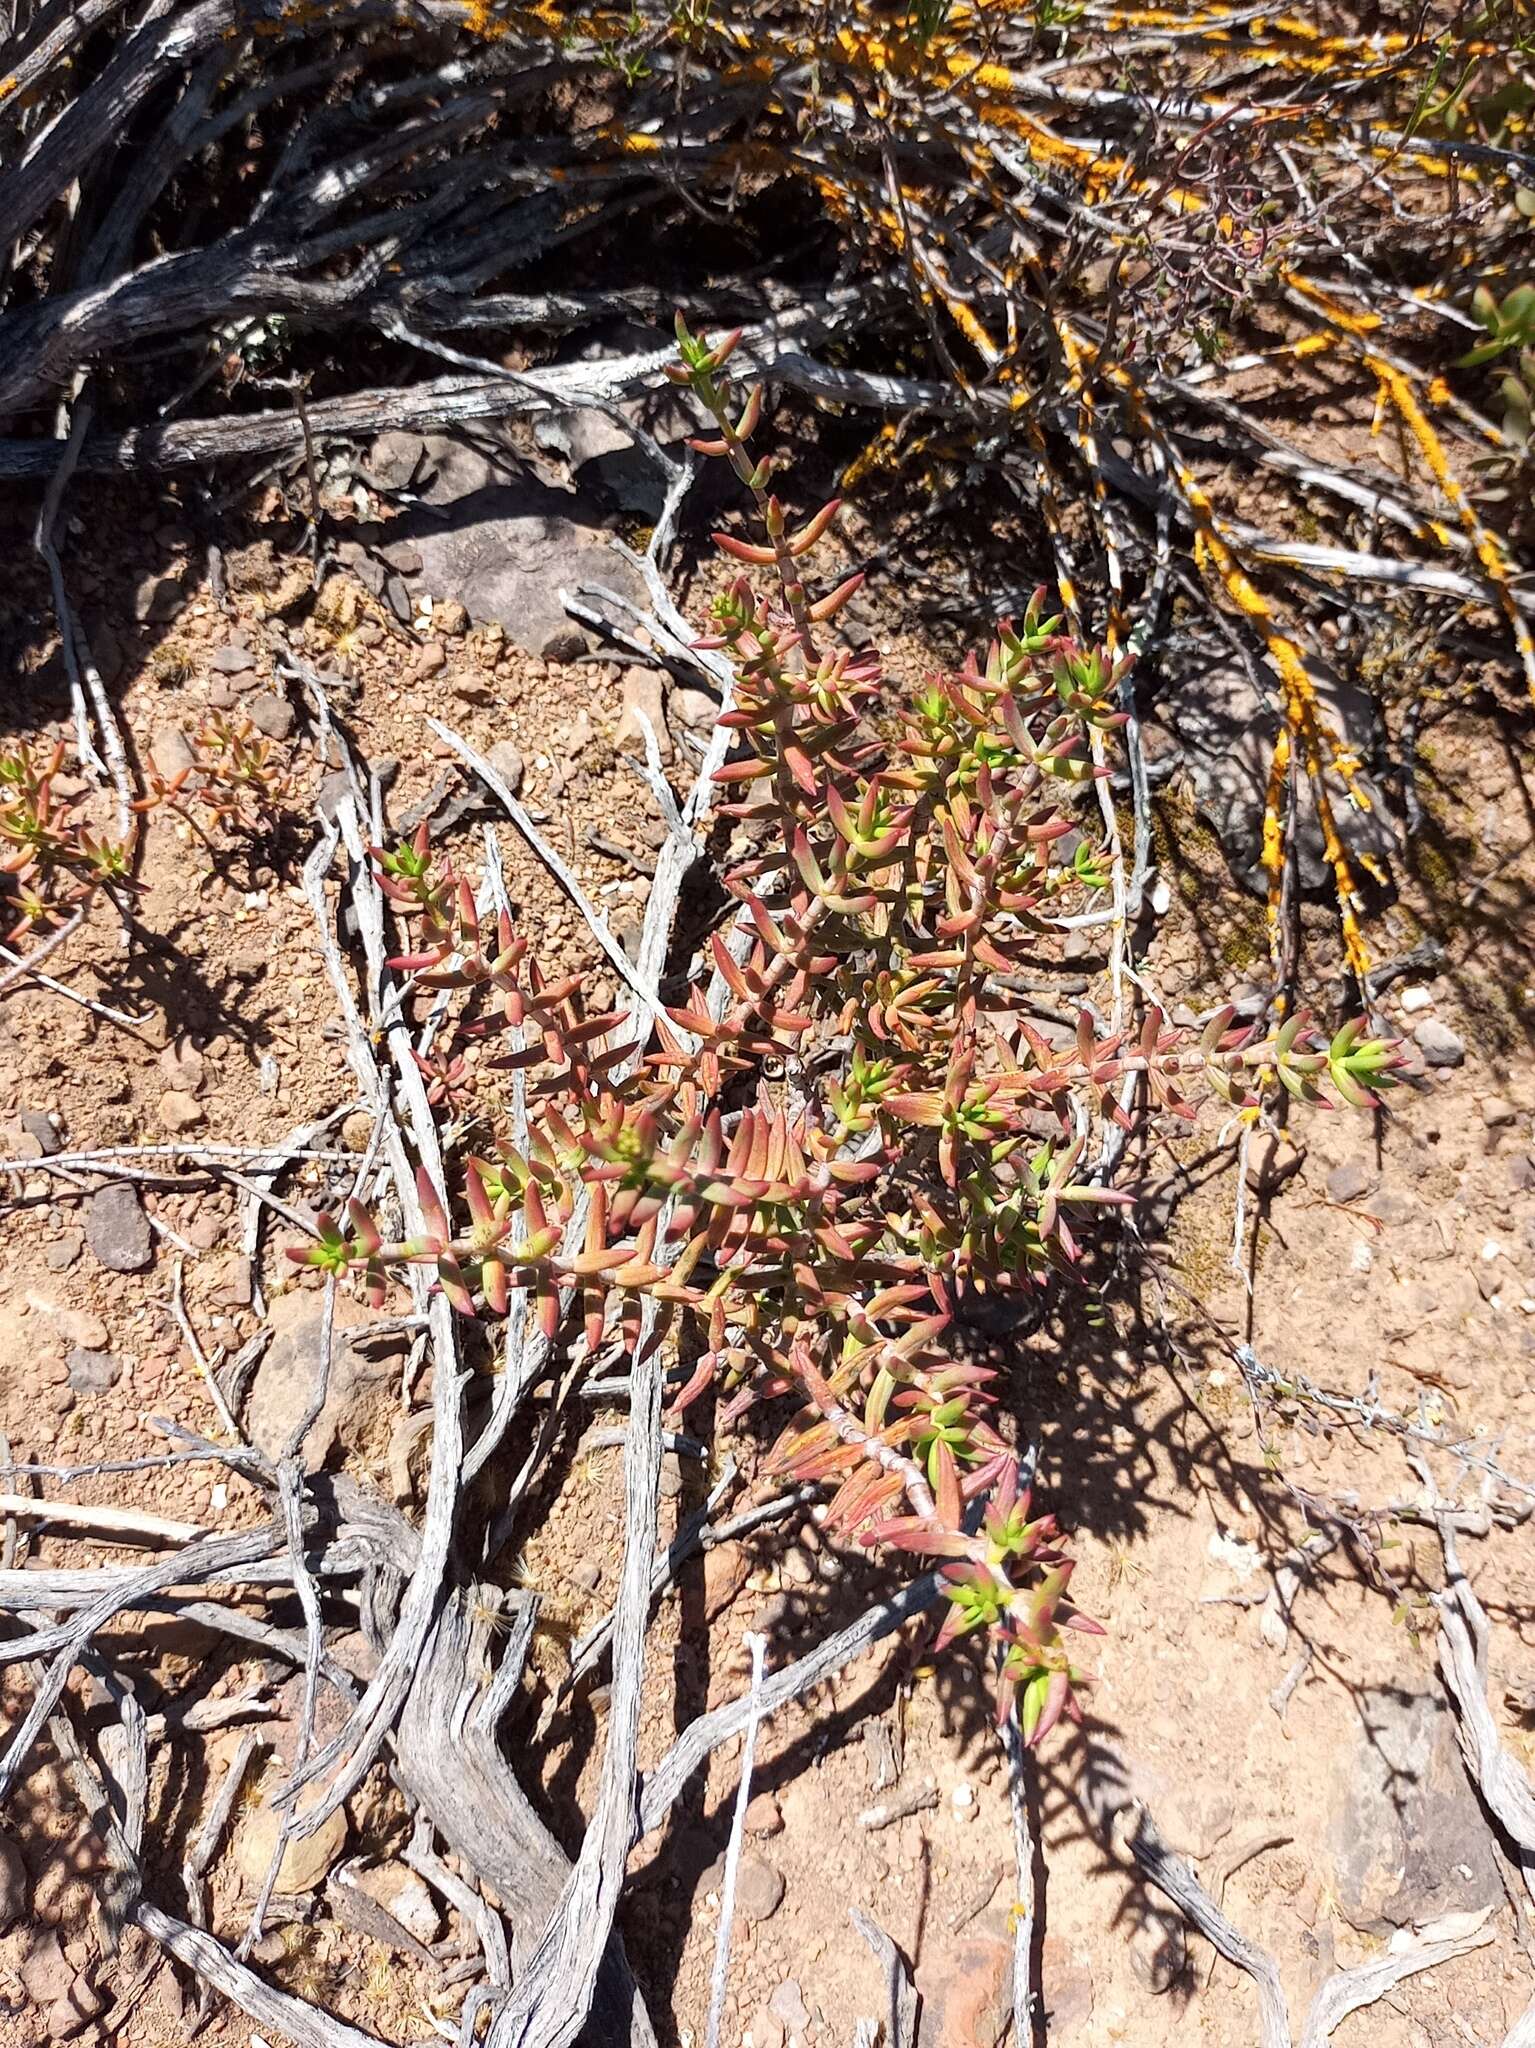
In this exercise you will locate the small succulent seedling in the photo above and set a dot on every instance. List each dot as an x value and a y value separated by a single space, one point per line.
237 781
52 860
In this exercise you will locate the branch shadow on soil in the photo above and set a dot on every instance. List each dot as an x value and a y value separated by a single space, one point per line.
1128 1436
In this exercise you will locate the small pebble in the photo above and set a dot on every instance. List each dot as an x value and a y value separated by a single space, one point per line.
179 1111
1498 1113
171 753
759 1888
271 715
183 1066
356 1130
93 1372
798 1568
1271 1160
117 1229
788 2004
1438 1044
764 1817
508 764
1348 1182
1416 999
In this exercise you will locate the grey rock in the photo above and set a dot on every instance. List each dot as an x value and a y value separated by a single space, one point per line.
13 1883
1408 1837
171 753
778 1611
157 599
367 568
759 1888
117 1230
1438 1043
565 644
288 1373
396 459
788 2004
1227 731
64 1250
695 709
1348 1182
508 764
39 1125
456 467
93 1372
1521 1173
598 454
233 660
333 792
272 715
505 551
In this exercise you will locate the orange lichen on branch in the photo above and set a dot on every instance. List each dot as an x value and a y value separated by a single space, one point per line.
1319 749
1489 549
1395 390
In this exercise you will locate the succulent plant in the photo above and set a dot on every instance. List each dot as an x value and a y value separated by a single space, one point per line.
864 1127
